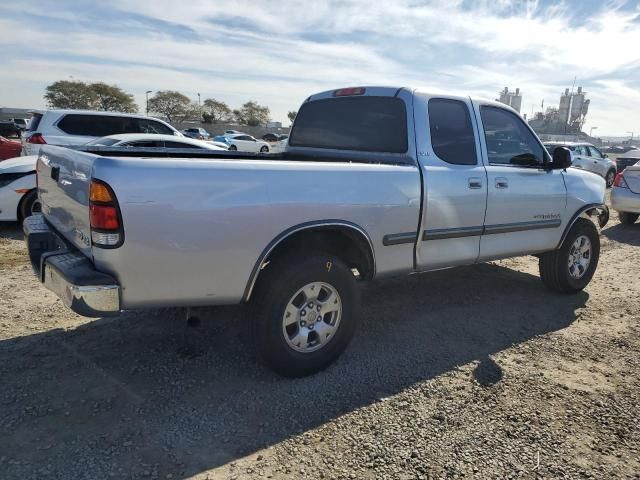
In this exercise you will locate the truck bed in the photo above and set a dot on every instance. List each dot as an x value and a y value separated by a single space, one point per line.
189 216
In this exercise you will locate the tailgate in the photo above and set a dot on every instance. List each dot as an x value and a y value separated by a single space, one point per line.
632 177
64 177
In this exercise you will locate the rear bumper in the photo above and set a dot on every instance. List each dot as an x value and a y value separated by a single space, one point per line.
68 273
624 200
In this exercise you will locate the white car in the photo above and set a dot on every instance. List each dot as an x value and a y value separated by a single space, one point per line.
77 127
625 194
18 195
247 143
150 140
587 157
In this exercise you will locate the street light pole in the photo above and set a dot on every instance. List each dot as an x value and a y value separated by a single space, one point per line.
198 99
591 131
147 94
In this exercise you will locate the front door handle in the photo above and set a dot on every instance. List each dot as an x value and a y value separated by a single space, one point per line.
475 182
501 182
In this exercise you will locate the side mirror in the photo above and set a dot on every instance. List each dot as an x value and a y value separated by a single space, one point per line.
561 158
606 155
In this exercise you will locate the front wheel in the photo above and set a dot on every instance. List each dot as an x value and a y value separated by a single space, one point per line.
303 314
628 218
570 268
233 148
264 149
610 177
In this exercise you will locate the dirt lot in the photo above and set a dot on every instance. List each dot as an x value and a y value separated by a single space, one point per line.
471 372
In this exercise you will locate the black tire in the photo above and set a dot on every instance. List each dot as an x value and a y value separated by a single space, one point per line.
610 177
628 218
264 149
554 266
233 148
277 284
29 205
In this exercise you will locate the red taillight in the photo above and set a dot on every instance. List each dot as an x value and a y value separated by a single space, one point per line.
619 181
36 138
346 92
104 216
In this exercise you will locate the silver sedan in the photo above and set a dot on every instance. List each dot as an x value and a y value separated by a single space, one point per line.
625 195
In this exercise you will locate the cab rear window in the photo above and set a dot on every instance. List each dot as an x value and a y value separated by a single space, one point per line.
368 124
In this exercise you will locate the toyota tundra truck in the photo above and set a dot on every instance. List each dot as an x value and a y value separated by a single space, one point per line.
375 182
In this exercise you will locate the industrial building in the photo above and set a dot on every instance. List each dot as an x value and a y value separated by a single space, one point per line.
566 119
513 99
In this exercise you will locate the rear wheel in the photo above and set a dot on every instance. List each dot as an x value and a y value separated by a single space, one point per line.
264 149
233 148
570 268
610 177
303 313
628 218
29 205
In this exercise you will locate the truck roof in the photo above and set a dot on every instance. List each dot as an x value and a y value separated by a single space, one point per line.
392 91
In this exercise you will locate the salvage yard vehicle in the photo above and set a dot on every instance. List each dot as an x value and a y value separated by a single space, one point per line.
18 195
246 143
77 127
625 195
587 157
375 182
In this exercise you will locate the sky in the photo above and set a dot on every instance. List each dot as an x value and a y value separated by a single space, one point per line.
278 52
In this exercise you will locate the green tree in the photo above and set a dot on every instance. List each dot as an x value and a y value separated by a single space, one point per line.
89 96
69 94
215 111
171 104
292 115
111 98
253 114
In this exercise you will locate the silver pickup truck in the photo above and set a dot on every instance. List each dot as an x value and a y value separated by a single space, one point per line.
374 182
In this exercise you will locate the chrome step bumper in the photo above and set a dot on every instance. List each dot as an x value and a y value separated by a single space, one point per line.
68 273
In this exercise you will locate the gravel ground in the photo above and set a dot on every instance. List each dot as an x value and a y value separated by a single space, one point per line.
474 372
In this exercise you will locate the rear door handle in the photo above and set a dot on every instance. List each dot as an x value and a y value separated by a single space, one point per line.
502 182
475 182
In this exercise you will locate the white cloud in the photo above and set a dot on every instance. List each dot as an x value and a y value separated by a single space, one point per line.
278 52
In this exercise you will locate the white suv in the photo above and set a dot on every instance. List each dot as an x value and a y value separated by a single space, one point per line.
77 127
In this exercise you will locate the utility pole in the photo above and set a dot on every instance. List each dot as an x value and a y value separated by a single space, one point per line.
147 94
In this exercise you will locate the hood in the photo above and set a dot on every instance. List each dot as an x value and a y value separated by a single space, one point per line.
19 164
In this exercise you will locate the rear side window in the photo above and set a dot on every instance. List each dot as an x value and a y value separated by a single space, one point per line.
104 125
368 124
151 126
35 121
97 125
452 136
